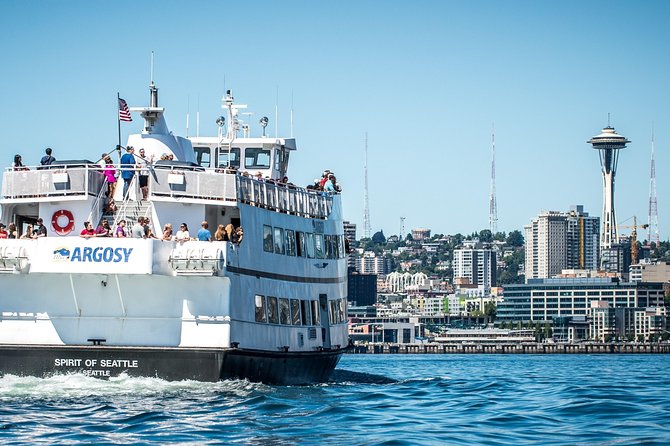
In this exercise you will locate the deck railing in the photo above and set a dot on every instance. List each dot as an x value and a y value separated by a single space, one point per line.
175 182
53 182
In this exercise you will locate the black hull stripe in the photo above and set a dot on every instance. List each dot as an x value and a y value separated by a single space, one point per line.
285 277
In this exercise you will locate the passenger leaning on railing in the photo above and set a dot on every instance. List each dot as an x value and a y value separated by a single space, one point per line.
17 164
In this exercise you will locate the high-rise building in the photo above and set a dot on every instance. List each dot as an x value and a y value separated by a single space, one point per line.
476 263
370 263
561 240
583 239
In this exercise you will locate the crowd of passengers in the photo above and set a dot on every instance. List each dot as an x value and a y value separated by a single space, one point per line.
142 229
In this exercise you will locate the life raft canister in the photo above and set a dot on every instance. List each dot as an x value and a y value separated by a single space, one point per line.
62 230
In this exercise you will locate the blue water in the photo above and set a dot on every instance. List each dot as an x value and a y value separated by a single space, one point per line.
373 399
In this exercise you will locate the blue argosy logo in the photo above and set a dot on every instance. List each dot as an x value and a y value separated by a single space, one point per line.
62 253
93 255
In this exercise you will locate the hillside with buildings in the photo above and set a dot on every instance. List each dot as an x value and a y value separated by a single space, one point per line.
548 281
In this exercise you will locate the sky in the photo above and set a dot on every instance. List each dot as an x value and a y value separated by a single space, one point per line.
426 81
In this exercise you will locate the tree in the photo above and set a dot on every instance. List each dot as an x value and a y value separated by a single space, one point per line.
378 238
485 236
490 310
515 238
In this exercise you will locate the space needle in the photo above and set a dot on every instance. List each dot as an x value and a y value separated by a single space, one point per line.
608 144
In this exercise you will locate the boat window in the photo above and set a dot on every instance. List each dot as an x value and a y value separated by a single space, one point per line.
267 238
295 311
261 312
309 241
332 312
256 158
300 244
330 252
229 157
273 313
340 247
318 245
279 241
277 160
343 310
203 156
290 242
284 313
304 309
316 315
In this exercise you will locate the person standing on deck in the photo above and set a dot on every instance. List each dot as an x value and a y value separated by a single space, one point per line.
47 159
204 235
127 169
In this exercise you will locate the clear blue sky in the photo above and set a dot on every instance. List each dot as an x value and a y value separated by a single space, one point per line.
425 79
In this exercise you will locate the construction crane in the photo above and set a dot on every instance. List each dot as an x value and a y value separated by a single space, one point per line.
633 238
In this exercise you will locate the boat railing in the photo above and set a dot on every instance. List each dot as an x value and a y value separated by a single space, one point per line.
55 181
283 198
214 184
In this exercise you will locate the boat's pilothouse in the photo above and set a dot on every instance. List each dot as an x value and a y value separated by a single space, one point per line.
204 252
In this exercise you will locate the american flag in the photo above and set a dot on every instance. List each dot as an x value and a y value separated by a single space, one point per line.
124 113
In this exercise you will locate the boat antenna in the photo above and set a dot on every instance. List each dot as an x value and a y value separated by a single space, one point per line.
152 68
277 112
188 106
197 119
291 113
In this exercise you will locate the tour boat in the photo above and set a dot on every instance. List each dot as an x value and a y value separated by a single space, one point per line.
270 307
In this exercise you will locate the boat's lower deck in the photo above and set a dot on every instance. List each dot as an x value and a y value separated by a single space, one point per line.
173 364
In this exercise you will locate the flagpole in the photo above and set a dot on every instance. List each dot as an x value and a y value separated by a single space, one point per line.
118 118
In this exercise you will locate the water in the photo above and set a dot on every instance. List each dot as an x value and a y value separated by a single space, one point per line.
373 399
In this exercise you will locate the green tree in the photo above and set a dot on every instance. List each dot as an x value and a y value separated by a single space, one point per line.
485 236
378 238
515 238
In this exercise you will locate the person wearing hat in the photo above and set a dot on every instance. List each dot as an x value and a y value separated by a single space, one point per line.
3 231
127 169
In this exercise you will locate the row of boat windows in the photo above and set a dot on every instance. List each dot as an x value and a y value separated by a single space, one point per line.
302 244
280 310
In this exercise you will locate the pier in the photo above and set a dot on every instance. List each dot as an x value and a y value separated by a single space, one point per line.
526 348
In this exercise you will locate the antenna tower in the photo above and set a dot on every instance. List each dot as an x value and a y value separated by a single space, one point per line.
493 206
366 212
402 227
653 235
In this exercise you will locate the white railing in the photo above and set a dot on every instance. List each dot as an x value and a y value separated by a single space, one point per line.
170 181
54 182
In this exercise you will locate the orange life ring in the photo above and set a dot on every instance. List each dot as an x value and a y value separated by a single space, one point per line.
62 230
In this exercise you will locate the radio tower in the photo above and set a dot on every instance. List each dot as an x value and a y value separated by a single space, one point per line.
493 207
653 235
366 212
608 144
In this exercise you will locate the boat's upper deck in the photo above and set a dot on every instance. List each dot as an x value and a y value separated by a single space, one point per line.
167 182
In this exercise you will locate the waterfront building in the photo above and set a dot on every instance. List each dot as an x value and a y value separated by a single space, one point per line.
561 240
362 288
545 299
627 323
476 263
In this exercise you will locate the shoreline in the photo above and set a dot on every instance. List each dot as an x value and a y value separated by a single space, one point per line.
525 348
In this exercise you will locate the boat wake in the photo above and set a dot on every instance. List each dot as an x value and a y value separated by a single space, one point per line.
80 386
340 376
